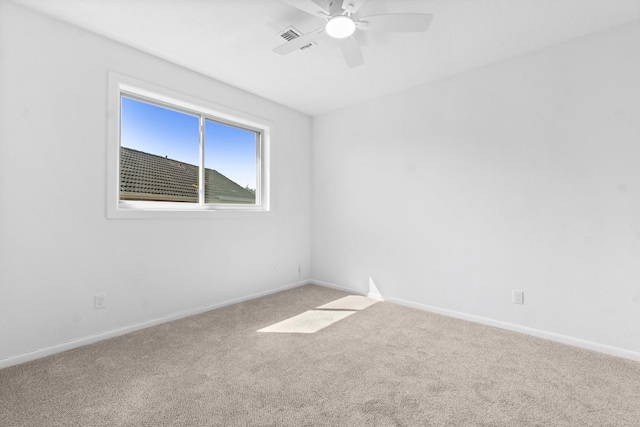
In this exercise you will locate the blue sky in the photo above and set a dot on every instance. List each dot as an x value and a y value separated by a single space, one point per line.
157 130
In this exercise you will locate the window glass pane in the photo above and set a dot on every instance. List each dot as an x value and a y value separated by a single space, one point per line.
159 153
230 161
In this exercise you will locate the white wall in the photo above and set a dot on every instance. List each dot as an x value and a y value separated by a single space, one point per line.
520 175
57 249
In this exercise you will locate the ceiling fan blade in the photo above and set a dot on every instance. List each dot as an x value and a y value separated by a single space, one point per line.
351 52
354 5
297 43
396 22
309 6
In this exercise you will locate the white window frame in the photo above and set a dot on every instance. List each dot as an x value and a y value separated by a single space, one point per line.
123 85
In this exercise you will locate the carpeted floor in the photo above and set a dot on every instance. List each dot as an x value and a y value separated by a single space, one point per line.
386 365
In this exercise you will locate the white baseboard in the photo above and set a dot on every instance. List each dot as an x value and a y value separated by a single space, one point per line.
58 348
374 295
334 286
564 339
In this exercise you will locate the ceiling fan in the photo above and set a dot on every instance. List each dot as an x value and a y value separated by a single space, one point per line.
342 22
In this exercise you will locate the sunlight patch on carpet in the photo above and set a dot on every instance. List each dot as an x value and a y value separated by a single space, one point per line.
308 322
351 302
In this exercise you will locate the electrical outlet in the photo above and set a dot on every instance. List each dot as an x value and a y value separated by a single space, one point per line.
517 297
100 301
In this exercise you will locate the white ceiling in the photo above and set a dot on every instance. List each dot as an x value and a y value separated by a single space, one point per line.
232 40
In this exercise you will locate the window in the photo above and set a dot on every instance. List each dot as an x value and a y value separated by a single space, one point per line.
171 153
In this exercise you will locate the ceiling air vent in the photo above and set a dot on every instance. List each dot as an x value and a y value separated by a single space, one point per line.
293 33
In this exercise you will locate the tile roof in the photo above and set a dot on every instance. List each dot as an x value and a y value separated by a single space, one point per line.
145 176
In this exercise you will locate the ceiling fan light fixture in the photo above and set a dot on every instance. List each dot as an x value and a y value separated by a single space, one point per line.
340 26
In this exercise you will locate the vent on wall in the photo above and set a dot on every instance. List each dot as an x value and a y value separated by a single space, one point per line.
291 33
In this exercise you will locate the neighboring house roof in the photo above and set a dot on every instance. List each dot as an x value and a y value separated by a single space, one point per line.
145 176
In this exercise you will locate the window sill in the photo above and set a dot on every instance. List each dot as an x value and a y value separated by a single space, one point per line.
195 213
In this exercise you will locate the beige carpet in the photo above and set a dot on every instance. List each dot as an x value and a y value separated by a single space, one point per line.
350 302
386 365
309 322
